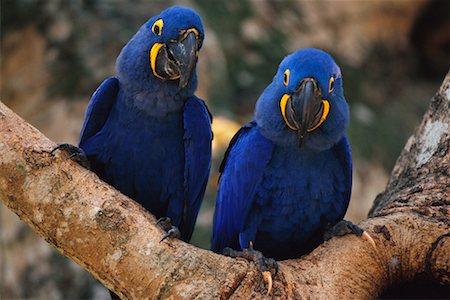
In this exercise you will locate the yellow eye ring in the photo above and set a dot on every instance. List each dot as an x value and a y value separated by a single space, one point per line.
331 85
157 27
286 77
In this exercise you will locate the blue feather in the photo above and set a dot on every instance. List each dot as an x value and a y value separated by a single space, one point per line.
273 193
148 137
197 147
241 173
99 107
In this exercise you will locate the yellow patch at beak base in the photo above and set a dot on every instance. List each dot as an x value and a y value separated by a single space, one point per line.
154 51
326 110
153 54
283 103
323 117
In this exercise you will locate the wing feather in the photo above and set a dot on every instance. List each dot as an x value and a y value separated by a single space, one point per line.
98 109
241 172
197 147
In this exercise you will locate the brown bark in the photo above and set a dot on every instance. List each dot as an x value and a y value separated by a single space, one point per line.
117 241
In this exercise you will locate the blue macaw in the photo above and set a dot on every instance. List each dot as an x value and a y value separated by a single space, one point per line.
145 132
286 176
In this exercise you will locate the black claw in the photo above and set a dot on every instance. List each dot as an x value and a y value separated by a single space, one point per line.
165 223
174 232
76 154
163 220
342 228
171 231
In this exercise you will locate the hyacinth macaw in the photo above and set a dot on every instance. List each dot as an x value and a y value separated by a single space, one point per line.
286 176
145 132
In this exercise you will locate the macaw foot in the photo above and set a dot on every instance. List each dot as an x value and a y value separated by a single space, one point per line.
75 154
171 231
267 266
344 227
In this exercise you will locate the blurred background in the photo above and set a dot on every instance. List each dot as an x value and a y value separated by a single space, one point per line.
54 54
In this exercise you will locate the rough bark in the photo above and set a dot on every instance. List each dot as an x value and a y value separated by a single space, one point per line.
117 240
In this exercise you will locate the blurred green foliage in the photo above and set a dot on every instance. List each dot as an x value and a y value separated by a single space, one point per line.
245 78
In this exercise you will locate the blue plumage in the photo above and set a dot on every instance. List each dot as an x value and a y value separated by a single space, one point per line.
145 132
287 175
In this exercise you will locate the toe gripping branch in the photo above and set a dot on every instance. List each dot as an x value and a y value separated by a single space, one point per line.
171 231
344 227
267 266
76 154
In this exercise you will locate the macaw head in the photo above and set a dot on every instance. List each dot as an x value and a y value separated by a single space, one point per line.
163 52
304 105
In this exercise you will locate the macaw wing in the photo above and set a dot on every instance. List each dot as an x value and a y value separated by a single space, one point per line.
98 109
197 148
343 153
241 172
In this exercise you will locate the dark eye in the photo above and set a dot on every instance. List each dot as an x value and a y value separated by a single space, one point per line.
157 27
331 85
286 76
156 30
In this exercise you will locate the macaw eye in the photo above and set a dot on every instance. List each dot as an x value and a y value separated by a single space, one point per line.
286 77
331 85
157 27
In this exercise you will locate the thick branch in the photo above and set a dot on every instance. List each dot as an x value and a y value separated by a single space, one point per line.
421 176
117 241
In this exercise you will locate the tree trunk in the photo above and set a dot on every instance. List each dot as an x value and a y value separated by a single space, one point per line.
117 241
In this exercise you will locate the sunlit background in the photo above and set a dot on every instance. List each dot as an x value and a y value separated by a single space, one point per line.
54 54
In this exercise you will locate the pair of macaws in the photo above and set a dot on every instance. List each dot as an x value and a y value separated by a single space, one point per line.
286 176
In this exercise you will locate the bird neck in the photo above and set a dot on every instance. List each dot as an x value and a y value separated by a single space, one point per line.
311 145
157 102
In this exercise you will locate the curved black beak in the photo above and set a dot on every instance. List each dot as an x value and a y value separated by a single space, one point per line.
185 54
305 108
177 59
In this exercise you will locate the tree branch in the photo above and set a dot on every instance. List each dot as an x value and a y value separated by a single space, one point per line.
117 241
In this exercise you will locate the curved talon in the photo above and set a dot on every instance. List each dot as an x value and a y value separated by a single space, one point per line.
365 236
75 153
163 219
55 149
267 276
172 233
263 264
72 155
164 223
